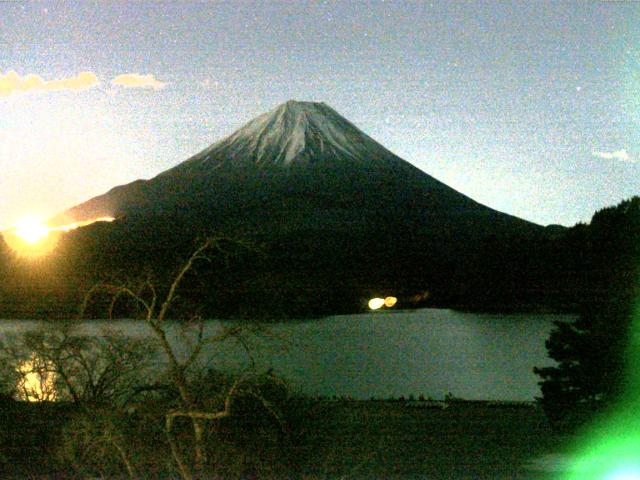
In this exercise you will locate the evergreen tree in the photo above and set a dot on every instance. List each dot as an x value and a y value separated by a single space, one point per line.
590 351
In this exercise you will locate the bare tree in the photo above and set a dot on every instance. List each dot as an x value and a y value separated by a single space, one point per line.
56 362
155 308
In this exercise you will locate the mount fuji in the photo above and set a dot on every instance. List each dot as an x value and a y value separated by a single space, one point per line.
301 155
339 214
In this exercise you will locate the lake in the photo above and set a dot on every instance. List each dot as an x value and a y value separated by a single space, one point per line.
428 352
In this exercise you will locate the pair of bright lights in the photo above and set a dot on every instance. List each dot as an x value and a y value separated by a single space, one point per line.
377 303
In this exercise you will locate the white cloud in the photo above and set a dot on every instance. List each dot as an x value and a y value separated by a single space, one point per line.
136 80
621 155
13 82
208 83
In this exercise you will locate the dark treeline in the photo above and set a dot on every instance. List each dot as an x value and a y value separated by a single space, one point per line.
596 354
268 272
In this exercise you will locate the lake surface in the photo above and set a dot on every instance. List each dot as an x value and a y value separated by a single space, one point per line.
383 354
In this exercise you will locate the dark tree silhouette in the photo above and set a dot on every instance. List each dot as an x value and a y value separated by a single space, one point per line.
156 308
591 350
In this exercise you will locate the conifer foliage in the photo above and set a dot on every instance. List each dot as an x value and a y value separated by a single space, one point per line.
591 352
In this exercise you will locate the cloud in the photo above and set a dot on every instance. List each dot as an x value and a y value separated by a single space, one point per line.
135 80
12 82
621 155
208 83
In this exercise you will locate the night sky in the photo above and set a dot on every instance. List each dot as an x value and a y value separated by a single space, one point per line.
530 108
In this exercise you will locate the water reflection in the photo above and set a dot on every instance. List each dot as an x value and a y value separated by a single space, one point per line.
57 361
389 353
36 381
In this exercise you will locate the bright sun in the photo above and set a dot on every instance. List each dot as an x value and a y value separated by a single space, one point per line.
32 230
32 237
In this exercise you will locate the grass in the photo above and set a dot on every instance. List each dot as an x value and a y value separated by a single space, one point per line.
380 439
346 439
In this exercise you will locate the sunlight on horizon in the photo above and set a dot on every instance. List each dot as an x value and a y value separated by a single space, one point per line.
33 237
31 230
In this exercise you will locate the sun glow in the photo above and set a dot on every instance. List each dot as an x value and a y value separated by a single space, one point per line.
31 230
74 225
32 237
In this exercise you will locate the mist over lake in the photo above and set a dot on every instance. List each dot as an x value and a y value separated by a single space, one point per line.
428 352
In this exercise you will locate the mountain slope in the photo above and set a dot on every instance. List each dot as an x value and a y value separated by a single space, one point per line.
340 217
301 152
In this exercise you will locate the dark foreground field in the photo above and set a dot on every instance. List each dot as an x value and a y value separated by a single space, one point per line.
342 439
410 441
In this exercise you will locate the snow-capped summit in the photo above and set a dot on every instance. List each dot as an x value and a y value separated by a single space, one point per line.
292 133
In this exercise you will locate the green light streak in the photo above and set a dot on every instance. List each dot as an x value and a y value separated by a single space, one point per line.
609 449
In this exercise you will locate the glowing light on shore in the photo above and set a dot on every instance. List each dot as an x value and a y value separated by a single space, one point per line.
376 303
